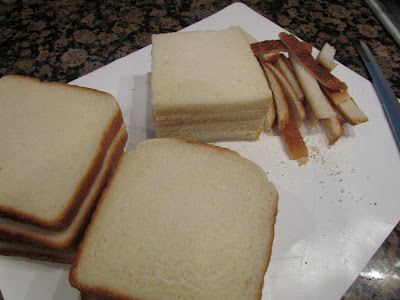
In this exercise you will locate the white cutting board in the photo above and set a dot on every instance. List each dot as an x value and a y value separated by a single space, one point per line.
334 212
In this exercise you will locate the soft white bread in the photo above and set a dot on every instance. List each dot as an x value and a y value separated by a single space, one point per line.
179 220
207 71
210 135
211 132
15 247
326 56
56 139
66 238
176 119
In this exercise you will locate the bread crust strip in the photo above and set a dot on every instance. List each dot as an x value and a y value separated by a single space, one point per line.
319 104
346 106
268 46
282 108
322 74
293 139
326 57
295 105
270 117
333 129
284 65
294 142
274 46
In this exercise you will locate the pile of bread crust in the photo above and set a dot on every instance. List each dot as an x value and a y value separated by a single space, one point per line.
294 75
59 146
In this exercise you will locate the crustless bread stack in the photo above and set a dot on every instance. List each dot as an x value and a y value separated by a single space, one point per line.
207 86
59 145
179 220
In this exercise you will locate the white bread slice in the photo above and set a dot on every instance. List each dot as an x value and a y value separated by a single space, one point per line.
57 136
283 64
250 39
13 247
319 104
206 71
179 220
281 106
326 56
66 238
208 117
296 107
212 132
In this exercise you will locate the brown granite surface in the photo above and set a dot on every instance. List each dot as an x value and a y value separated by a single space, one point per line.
63 40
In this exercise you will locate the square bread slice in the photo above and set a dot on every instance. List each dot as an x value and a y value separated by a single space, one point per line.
54 139
66 238
179 220
206 71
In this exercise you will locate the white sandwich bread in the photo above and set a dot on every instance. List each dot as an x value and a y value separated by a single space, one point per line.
206 77
179 220
68 237
57 137
63 142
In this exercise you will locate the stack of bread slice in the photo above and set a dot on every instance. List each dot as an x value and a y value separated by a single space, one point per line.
59 146
179 220
207 86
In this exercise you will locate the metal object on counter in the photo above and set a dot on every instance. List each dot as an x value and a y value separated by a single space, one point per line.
388 12
389 100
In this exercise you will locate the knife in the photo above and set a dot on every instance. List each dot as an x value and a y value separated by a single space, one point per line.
389 100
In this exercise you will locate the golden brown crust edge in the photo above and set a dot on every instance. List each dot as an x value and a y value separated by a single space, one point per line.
271 242
11 246
322 74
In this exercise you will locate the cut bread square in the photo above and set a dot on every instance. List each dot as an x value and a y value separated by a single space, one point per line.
206 71
179 220
56 138
66 238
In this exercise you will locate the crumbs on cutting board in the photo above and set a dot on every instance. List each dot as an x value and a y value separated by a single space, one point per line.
334 174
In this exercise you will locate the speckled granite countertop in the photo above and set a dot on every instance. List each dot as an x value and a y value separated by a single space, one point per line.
63 40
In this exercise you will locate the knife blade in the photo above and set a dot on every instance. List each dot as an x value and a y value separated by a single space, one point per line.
388 99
